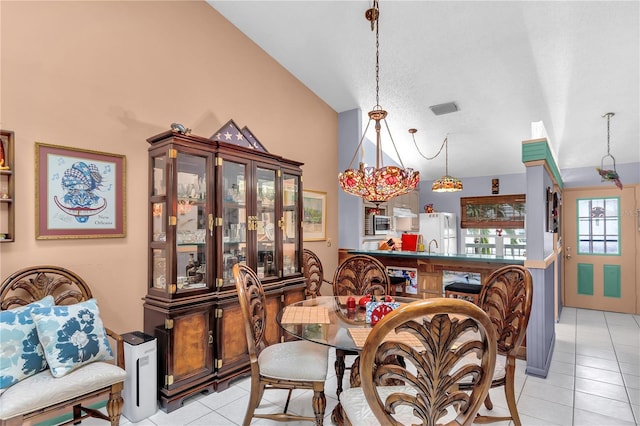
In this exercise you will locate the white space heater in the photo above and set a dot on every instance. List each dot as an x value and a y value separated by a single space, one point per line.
140 388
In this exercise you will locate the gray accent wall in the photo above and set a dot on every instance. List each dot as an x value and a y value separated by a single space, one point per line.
541 331
350 217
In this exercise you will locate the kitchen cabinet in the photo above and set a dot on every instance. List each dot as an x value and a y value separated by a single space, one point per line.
411 201
213 204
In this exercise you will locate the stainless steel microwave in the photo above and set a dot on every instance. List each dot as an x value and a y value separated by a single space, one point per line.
377 225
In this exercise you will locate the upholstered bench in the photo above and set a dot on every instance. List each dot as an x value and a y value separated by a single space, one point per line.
466 291
58 389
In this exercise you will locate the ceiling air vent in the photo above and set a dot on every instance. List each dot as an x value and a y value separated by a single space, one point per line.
444 108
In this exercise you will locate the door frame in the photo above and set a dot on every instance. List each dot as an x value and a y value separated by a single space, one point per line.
625 212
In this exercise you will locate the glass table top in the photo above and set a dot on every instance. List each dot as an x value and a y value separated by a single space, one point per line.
326 320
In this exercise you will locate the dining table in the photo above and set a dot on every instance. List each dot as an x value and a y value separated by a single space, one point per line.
328 320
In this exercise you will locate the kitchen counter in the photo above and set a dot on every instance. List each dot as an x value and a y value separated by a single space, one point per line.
429 267
486 258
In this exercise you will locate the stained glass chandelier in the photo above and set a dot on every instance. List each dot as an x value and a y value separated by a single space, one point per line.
380 183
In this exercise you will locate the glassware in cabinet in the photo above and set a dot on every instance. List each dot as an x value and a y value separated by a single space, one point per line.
181 221
267 237
290 223
234 217
192 221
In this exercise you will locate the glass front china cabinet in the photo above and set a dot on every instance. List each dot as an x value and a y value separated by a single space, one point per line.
212 205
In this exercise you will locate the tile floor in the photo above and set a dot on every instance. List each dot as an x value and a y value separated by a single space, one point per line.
594 379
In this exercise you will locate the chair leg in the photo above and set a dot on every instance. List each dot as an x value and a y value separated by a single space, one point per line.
77 414
509 393
488 403
340 367
286 405
338 416
354 377
257 389
115 403
319 402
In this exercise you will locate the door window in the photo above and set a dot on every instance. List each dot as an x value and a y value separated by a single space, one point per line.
599 226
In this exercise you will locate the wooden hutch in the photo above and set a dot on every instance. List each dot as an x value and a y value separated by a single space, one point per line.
213 204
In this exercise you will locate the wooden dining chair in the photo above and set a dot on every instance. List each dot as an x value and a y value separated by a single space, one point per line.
313 273
443 341
290 365
506 296
356 276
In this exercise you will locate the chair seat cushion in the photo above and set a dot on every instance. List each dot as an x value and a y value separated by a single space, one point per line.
359 413
464 288
297 360
499 373
43 390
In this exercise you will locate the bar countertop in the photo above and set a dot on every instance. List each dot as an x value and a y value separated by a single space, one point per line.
486 258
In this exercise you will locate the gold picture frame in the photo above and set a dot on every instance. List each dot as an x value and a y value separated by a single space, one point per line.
314 215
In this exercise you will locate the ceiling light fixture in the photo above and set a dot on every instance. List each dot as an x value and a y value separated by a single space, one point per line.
446 183
380 183
609 175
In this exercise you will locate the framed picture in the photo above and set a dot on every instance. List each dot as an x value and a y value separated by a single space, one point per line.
79 193
314 215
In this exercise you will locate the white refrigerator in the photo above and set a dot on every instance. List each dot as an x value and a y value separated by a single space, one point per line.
442 228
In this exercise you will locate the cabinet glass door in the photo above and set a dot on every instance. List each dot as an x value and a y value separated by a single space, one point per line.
234 218
159 220
265 223
290 223
191 222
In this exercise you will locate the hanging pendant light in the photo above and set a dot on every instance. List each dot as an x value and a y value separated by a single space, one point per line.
380 183
609 174
446 183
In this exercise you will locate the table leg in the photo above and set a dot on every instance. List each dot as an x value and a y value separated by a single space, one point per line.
340 367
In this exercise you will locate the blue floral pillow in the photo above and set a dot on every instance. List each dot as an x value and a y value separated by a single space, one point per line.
21 355
72 336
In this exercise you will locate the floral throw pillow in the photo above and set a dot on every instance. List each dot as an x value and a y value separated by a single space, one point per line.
72 336
21 354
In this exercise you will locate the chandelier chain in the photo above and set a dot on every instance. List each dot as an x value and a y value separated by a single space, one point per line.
376 21
446 156
445 141
608 132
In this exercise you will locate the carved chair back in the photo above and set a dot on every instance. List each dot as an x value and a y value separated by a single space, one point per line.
313 273
506 296
452 340
254 311
32 284
360 274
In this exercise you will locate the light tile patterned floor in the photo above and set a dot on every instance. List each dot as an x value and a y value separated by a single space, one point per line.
594 379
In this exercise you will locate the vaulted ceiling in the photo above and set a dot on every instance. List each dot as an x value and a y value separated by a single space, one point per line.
505 64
